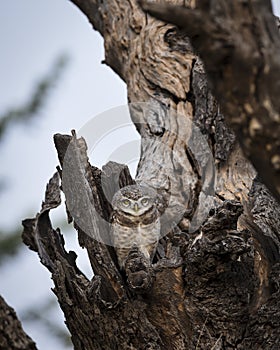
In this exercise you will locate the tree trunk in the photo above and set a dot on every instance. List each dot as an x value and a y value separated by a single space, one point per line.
240 45
214 283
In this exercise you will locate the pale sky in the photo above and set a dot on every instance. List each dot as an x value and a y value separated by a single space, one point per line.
33 34
276 7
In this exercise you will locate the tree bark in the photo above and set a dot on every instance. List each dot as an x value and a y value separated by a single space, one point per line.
214 283
240 46
12 336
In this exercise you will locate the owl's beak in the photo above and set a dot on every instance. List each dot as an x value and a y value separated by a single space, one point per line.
136 207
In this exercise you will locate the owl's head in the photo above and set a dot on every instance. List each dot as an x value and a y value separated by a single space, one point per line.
134 200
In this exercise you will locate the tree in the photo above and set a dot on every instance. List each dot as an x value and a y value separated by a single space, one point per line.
214 283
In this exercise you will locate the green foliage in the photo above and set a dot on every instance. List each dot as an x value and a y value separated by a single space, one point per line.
38 99
44 317
9 243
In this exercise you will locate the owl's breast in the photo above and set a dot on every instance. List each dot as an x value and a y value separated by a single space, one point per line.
129 220
139 234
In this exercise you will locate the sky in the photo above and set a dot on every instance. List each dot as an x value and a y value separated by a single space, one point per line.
33 33
276 7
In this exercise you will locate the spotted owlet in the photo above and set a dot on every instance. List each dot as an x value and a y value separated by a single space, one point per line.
135 222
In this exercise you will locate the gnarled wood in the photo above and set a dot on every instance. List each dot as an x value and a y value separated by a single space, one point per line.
215 277
240 46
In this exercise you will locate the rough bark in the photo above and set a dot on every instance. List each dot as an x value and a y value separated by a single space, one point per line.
12 336
239 44
214 283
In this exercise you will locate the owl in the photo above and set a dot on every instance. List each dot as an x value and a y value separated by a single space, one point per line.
135 221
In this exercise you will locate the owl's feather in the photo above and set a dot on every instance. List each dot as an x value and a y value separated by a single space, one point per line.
139 227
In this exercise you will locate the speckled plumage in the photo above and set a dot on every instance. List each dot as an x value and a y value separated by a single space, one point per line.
135 221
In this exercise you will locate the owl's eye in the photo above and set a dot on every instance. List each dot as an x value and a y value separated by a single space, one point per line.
145 201
125 202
